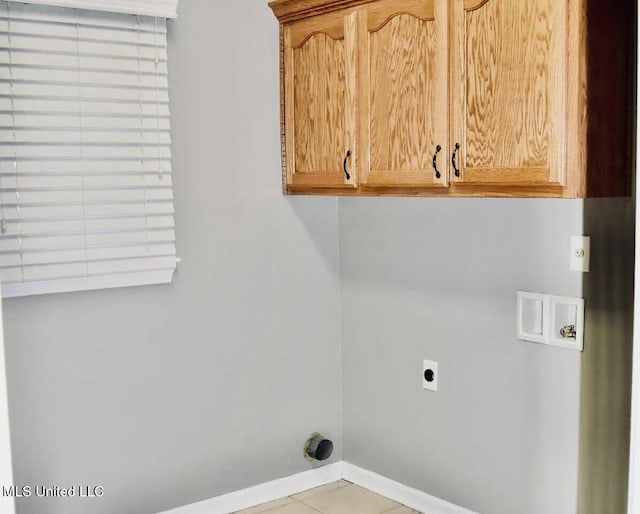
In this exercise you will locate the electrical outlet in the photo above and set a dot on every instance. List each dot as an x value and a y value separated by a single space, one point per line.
580 253
430 375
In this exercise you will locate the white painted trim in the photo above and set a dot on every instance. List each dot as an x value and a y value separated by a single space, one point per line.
7 505
159 8
400 493
634 451
269 491
263 493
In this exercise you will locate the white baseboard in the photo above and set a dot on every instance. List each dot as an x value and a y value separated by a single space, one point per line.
299 482
263 493
400 493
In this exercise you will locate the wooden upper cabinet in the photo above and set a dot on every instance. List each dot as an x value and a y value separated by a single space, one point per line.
508 92
458 97
320 102
403 94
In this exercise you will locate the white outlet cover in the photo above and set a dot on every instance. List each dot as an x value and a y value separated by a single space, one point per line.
432 365
580 253
533 316
541 318
567 311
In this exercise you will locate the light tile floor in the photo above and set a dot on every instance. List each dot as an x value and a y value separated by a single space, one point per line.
340 497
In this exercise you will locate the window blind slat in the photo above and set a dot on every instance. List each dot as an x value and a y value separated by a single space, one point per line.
112 254
49 63
42 121
64 241
83 152
91 108
83 49
80 269
87 196
89 137
88 182
85 160
49 255
70 91
87 18
24 28
77 166
30 212
117 77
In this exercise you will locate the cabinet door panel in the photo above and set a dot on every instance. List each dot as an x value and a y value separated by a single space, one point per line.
508 86
320 112
403 93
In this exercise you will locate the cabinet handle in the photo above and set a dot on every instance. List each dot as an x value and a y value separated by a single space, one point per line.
435 164
344 165
453 160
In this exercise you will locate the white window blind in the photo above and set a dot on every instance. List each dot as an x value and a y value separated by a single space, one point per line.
86 198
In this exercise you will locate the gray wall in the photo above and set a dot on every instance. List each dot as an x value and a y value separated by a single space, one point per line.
605 399
170 394
437 279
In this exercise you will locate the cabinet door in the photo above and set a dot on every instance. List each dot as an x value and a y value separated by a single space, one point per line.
320 103
403 93
508 92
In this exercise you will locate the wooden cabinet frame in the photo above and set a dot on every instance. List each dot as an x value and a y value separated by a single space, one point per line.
572 115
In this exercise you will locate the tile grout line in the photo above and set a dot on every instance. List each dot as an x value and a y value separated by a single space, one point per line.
346 484
307 506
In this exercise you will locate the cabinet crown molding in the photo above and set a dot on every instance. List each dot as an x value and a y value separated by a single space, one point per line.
159 8
291 10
